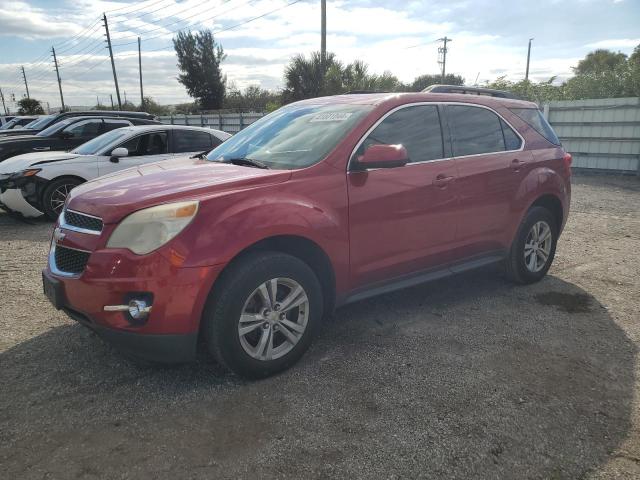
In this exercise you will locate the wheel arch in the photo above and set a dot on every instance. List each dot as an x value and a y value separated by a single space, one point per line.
302 248
552 203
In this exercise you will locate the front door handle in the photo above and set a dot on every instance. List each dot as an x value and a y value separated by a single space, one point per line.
41 149
442 180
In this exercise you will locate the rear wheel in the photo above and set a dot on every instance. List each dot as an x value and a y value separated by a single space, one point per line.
55 194
534 247
263 314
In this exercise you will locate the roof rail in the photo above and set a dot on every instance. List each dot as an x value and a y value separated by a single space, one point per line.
362 92
489 92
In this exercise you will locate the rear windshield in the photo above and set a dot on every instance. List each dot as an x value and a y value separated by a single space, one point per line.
534 118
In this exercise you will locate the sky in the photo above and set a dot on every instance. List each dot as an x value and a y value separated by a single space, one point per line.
260 36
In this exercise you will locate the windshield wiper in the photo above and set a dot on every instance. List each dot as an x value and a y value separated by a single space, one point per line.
249 162
201 155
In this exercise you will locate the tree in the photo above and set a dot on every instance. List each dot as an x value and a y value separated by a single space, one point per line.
424 81
199 58
30 106
251 99
149 105
600 61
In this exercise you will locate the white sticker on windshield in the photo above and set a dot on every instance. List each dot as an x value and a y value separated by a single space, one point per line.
331 117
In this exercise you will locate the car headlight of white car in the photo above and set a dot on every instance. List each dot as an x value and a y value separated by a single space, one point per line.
30 172
147 230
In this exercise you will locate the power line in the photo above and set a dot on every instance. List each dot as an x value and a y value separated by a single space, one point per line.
215 32
134 10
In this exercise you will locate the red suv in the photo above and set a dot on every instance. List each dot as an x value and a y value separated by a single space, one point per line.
322 202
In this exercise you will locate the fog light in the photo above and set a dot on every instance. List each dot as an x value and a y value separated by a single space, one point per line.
138 309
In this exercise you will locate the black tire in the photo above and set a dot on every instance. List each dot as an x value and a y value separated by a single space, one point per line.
516 268
226 302
49 203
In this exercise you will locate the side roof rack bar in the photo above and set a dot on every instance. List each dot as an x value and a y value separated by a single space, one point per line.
489 92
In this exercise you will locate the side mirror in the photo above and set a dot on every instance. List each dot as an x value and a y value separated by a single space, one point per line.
65 135
383 156
118 153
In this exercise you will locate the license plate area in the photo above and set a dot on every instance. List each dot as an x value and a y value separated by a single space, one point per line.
53 290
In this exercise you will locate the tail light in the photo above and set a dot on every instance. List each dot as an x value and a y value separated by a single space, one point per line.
566 160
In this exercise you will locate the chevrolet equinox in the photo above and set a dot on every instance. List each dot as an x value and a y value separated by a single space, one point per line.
320 203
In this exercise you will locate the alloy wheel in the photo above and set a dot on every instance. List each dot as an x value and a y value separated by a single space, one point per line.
59 196
273 319
537 246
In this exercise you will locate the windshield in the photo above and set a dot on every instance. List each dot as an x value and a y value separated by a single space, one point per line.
10 124
93 147
292 137
56 127
40 122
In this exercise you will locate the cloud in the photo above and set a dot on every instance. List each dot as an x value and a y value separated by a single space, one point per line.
21 19
615 43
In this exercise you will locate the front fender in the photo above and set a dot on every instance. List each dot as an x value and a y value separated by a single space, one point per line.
225 227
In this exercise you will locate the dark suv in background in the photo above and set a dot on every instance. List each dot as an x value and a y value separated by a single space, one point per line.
66 134
48 120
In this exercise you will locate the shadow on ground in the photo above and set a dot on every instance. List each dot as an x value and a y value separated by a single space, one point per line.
465 378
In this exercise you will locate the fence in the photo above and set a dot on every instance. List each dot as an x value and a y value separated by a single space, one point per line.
602 134
227 122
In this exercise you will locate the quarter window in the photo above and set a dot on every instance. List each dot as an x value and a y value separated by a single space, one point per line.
474 130
534 117
417 128
191 141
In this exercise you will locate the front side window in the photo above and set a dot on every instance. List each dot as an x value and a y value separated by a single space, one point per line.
292 137
417 128
191 141
85 128
474 130
150 144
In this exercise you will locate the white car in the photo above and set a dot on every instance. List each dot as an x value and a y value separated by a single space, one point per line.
37 184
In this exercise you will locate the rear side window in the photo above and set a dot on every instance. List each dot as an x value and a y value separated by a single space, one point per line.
113 124
191 141
534 117
475 130
511 139
416 128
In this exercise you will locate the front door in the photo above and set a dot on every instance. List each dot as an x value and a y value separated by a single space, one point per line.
401 219
145 148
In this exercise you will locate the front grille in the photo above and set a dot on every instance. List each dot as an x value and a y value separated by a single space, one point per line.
80 220
69 260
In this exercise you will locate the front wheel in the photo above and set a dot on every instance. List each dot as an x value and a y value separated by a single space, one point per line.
534 247
263 314
55 194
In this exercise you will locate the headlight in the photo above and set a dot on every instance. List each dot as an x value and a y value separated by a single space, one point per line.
147 230
26 173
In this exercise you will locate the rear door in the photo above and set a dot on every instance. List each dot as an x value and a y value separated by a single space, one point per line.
189 142
144 148
401 219
489 160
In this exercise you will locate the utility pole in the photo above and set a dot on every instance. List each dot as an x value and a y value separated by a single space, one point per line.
140 69
4 105
125 97
24 76
442 56
323 33
55 61
113 65
526 75
112 106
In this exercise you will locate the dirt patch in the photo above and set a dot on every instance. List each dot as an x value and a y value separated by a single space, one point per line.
566 302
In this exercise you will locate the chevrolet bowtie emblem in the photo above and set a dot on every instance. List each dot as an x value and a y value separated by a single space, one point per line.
58 235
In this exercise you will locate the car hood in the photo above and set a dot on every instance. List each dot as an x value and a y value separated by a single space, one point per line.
18 138
13 133
21 162
115 196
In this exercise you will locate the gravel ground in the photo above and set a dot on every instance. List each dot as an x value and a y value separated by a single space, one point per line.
470 377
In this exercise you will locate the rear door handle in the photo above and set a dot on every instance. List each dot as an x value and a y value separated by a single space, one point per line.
517 164
442 180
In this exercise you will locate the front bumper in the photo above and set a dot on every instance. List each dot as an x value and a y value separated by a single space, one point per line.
13 200
111 276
